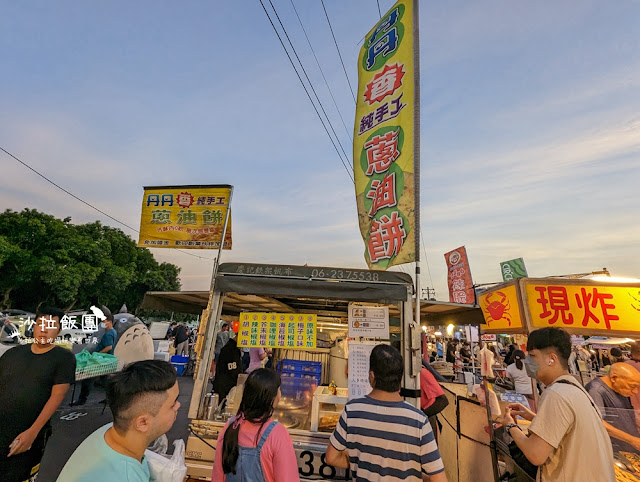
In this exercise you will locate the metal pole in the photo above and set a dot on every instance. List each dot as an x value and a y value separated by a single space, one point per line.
416 147
224 233
209 311
492 435
216 261
473 354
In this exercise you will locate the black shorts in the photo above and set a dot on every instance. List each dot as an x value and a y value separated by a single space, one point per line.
24 467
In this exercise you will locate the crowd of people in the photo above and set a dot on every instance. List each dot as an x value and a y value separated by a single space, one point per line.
380 437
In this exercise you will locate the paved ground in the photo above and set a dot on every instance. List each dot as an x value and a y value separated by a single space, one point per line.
68 434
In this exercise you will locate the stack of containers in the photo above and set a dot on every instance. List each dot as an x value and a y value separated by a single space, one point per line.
299 377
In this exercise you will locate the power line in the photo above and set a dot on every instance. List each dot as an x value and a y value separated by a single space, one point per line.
306 90
379 12
308 79
321 72
424 247
338 49
83 201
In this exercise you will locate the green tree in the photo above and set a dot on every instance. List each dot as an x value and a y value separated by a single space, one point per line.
45 260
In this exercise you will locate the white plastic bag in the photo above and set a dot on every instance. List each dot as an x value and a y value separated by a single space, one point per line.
160 445
164 469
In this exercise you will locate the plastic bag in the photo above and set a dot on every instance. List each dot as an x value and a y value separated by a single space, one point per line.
160 445
164 469
493 399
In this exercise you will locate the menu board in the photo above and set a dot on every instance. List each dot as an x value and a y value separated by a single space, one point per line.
368 321
359 354
277 330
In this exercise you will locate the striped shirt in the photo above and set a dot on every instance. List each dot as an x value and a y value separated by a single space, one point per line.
386 441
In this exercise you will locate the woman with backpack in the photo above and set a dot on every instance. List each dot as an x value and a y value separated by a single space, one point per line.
252 446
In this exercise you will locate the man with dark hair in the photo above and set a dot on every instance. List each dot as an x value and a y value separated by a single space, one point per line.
171 329
181 341
615 355
451 351
382 437
143 399
465 353
228 367
567 438
34 380
222 338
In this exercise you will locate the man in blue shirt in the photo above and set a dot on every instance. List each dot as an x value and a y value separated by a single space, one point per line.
611 394
106 345
143 399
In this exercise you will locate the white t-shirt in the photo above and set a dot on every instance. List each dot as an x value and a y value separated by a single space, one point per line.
520 379
569 422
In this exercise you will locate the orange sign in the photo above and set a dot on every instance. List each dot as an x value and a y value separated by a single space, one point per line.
588 307
500 309
459 276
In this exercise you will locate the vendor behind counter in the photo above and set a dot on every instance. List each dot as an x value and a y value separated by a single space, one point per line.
611 394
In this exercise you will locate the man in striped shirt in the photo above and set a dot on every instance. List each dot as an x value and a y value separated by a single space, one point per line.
381 437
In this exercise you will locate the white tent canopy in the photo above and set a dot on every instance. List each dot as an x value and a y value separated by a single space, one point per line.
599 340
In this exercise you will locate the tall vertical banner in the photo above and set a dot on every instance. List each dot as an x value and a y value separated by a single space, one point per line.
386 135
459 277
190 217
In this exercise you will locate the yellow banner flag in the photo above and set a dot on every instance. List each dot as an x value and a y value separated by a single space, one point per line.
384 139
187 217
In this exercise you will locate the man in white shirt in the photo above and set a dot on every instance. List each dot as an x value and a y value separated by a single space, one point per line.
568 440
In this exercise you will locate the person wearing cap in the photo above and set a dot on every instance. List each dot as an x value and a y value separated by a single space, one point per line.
106 345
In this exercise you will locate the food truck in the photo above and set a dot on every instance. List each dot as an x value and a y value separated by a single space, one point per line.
311 317
580 306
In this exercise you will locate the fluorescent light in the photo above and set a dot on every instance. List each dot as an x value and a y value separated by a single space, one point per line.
615 279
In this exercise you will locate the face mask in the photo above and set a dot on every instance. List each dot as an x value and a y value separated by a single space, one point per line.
531 366
103 325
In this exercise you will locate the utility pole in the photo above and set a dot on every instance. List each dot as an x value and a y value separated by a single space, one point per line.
429 293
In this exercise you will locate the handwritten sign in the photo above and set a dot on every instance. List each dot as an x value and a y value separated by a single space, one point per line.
359 354
277 330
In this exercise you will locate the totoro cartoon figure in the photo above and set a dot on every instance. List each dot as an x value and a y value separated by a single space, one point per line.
134 342
124 320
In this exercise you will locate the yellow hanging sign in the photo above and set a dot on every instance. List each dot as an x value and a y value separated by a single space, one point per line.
186 217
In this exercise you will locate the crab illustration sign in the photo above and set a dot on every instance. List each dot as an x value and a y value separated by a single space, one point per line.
501 309
385 138
581 307
186 217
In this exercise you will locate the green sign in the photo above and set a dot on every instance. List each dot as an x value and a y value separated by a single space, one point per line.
513 269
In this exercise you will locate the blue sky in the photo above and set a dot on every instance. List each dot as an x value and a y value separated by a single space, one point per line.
530 119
